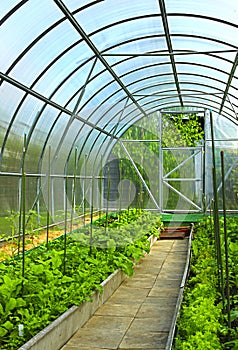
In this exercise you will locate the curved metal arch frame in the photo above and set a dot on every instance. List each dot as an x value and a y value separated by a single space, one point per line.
78 90
162 97
144 67
170 14
74 43
41 35
97 31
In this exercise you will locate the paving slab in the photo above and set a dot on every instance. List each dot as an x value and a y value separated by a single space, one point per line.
144 340
101 331
164 292
139 313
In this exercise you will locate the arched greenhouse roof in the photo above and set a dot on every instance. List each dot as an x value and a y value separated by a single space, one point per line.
78 73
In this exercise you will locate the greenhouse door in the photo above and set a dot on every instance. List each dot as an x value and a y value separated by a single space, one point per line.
181 179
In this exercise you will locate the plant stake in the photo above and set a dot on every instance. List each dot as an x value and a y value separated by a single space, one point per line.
23 207
65 223
48 204
216 215
226 243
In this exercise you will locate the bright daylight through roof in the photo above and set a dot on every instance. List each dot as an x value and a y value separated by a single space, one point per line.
109 107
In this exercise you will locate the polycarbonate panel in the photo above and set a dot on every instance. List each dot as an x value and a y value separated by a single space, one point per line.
166 82
59 39
153 106
26 115
71 88
20 29
194 80
231 108
127 31
131 115
153 71
52 58
214 61
45 120
110 111
123 65
106 13
225 10
233 103
210 72
228 112
10 97
58 130
180 44
142 84
7 6
233 92
66 142
73 5
141 45
205 27
62 69
203 101
95 108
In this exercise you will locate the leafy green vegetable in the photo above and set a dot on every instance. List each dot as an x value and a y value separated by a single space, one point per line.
49 290
203 321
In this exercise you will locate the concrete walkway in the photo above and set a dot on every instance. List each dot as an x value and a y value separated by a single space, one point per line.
139 313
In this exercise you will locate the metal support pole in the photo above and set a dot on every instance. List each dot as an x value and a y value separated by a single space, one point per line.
161 168
48 202
23 197
84 191
228 309
216 214
73 191
65 224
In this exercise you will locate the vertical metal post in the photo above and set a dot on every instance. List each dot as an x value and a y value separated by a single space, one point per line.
100 189
23 196
48 202
216 214
108 195
38 201
204 153
91 213
73 191
65 223
160 163
226 242
52 198
120 190
84 191
20 216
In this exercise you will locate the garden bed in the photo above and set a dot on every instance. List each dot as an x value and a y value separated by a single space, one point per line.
36 237
66 275
62 329
209 314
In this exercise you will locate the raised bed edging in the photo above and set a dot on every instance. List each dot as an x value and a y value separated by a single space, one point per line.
56 334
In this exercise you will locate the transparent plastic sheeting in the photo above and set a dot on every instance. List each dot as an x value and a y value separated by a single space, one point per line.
78 74
225 139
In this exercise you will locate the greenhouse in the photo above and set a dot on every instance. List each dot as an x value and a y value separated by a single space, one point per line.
118 121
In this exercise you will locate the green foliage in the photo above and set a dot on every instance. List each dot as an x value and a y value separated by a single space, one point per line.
202 323
177 131
47 290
